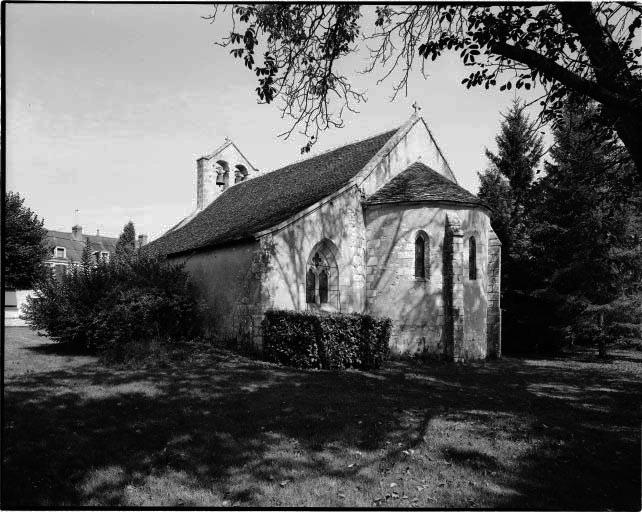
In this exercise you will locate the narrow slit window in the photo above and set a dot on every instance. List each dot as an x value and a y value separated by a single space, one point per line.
422 256
472 259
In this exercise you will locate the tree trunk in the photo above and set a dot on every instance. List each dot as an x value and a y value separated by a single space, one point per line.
611 73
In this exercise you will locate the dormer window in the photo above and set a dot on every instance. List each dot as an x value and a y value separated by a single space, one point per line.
60 252
104 256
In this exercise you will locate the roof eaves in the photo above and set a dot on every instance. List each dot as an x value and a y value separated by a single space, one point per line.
431 201
211 245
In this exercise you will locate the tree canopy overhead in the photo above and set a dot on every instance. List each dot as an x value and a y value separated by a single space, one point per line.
571 47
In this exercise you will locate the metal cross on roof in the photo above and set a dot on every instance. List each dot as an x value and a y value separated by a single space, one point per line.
416 106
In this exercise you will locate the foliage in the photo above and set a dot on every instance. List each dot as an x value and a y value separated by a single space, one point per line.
331 341
25 247
111 304
583 247
505 187
591 49
126 244
571 240
85 258
519 151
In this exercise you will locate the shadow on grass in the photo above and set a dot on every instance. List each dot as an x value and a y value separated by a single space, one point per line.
230 430
59 349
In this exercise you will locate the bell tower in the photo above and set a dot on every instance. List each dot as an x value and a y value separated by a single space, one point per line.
220 170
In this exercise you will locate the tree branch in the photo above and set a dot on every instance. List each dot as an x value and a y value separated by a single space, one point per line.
550 68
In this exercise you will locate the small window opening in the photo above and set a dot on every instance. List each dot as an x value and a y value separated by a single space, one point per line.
422 256
472 259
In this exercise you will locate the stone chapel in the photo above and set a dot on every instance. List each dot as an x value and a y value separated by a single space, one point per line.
378 226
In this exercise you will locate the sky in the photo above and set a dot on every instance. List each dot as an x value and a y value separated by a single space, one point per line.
108 107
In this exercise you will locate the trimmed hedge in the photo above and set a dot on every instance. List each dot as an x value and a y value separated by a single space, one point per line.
331 341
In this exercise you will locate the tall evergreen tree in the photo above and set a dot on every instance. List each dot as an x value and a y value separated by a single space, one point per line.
126 244
519 151
506 184
25 247
85 257
582 226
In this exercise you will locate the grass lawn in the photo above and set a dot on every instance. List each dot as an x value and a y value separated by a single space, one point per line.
217 429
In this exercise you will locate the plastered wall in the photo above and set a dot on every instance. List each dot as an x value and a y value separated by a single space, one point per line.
227 280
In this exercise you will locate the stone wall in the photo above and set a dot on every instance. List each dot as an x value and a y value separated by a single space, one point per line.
341 222
416 145
445 313
494 312
206 171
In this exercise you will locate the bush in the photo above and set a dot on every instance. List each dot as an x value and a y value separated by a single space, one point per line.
331 341
113 303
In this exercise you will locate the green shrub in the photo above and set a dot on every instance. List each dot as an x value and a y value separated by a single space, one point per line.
114 303
331 341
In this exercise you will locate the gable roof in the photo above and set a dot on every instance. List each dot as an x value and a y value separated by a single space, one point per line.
75 247
263 201
420 183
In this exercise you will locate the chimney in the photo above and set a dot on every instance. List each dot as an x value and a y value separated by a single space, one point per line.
142 240
76 232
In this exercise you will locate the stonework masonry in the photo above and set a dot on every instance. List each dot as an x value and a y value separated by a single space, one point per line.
445 313
494 313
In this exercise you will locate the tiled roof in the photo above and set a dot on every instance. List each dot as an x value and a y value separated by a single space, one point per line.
264 201
75 247
421 183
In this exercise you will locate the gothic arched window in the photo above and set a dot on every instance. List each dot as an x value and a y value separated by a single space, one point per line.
322 276
422 256
472 258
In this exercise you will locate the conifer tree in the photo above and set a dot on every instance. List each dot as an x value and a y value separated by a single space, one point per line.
85 258
582 227
25 247
519 151
506 184
126 245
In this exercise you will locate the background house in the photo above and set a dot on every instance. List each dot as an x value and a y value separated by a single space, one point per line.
65 252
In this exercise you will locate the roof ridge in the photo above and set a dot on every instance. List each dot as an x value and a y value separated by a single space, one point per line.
266 174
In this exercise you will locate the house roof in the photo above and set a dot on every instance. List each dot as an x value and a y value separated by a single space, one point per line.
420 183
264 201
75 247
